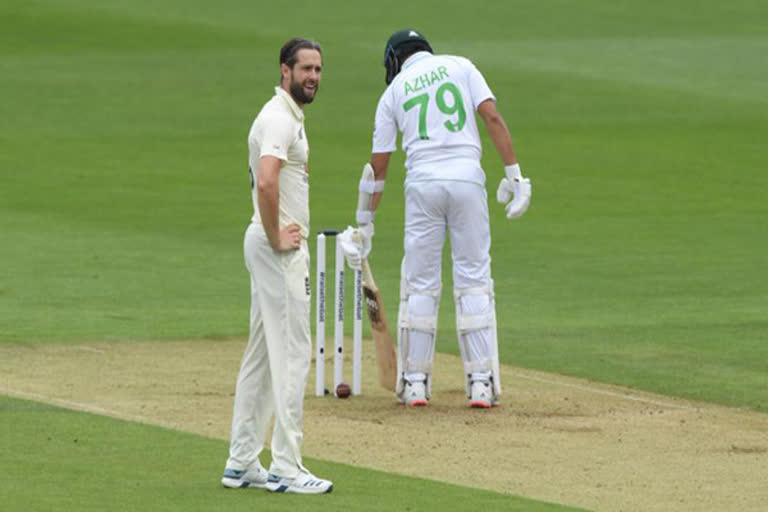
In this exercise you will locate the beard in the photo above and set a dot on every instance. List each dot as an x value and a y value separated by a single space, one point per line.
297 91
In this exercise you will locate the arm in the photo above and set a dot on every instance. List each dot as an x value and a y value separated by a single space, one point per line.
498 131
384 142
287 238
356 243
380 163
513 185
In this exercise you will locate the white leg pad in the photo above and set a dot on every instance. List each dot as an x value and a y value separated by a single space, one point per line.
416 333
476 332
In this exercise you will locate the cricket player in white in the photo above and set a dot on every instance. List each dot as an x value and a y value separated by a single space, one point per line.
432 100
275 365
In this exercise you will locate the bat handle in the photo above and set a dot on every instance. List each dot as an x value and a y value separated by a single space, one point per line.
368 276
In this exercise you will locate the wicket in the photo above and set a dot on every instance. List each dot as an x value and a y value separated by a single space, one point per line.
338 329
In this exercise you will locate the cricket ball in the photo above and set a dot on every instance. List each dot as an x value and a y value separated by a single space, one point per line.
342 390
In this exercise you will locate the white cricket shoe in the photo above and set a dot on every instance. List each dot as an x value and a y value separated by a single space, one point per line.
415 394
481 395
252 478
303 483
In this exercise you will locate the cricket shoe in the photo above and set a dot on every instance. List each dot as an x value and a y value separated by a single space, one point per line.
415 394
253 478
481 395
303 483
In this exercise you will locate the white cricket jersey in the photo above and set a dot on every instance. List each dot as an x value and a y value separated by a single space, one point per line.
278 131
433 101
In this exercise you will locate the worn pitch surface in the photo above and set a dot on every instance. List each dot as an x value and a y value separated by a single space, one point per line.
554 438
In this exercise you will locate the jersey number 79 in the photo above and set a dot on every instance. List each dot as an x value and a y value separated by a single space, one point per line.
456 107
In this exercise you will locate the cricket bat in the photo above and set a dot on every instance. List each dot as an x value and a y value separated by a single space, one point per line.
382 338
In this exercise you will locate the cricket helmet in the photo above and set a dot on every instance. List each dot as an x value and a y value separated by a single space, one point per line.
397 41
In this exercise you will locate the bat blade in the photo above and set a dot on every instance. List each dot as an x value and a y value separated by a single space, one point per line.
386 359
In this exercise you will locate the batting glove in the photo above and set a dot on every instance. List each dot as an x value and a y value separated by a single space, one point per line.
365 235
514 186
351 247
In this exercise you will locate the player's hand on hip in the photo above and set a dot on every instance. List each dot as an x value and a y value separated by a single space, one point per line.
513 186
289 238
351 246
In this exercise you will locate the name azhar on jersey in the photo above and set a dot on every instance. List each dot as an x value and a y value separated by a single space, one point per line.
425 80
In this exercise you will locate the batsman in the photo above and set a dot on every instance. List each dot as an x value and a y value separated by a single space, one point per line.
432 100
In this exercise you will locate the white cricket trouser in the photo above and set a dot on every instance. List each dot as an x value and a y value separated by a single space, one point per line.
461 207
276 362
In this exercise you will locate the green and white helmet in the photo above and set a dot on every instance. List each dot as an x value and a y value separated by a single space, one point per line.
396 42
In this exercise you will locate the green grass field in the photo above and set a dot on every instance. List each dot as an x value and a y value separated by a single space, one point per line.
124 191
106 464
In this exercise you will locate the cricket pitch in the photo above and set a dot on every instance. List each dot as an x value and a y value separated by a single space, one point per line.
554 438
